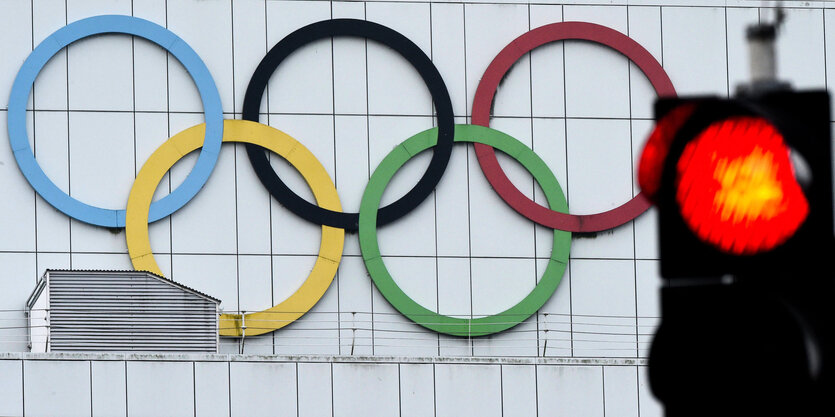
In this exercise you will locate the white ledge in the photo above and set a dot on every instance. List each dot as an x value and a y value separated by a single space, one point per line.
214 357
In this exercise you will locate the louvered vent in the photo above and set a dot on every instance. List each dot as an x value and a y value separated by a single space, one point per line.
122 311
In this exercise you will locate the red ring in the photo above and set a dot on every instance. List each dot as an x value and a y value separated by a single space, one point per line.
481 116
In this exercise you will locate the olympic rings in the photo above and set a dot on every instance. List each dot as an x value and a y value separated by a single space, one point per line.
409 51
328 210
406 305
483 101
19 138
330 249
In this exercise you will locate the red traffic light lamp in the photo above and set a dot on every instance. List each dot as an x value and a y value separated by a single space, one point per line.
736 187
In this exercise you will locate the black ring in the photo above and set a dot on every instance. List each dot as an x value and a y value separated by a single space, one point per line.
408 50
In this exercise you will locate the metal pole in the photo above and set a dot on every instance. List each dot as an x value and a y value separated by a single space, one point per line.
763 63
763 56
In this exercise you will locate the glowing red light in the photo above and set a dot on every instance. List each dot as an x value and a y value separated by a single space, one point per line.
656 149
736 187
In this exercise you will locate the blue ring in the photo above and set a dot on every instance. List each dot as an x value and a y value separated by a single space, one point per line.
19 137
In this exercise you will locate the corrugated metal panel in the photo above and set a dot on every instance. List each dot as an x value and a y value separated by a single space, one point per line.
128 311
120 274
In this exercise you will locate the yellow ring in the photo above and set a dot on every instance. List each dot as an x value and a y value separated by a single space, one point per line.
333 239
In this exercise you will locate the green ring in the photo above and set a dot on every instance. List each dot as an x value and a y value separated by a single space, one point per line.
406 305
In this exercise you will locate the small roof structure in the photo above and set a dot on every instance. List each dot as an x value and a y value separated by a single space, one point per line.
110 310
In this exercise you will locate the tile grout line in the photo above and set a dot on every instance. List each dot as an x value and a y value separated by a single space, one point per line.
603 387
23 388
501 383
469 195
632 174
314 255
168 119
235 176
338 114
297 389
69 145
727 58
34 143
126 388
335 180
269 157
567 193
533 185
194 387
368 160
434 192
133 92
90 363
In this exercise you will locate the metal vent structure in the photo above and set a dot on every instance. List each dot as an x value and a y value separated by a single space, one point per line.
119 311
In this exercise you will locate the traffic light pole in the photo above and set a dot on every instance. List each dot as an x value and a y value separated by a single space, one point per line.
763 62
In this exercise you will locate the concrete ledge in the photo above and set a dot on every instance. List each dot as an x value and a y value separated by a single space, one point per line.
210 357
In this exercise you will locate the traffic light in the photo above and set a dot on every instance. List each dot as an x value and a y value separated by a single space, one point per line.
743 188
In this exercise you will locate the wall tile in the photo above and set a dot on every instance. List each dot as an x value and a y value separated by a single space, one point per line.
17 215
304 81
448 46
394 87
488 28
596 77
249 46
51 147
50 90
17 279
644 28
151 61
355 307
57 388
417 390
468 390
109 388
396 334
263 389
696 64
156 388
101 73
350 76
554 318
11 382
620 390
315 387
13 26
570 390
800 49
189 20
317 332
599 179
518 390
365 390
547 66
211 389
603 304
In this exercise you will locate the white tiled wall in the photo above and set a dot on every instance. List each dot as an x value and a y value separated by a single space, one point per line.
83 386
582 107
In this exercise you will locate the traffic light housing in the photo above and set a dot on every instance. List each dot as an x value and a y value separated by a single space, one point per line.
743 186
